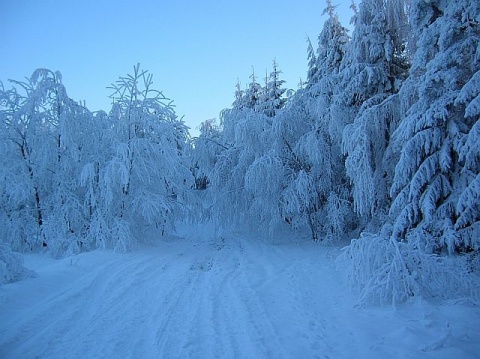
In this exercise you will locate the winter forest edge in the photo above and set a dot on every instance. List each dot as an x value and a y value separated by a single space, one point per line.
380 145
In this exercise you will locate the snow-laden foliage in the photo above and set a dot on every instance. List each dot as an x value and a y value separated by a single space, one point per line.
206 148
265 179
244 143
144 179
238 194
435 187
281 161
375 67
74 181
271 98
310 160
41 131
435 190
368 165
332 46
333 43
390 272
11 266
312 63
317 153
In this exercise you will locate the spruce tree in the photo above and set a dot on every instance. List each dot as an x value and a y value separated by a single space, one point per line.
371 76
436 183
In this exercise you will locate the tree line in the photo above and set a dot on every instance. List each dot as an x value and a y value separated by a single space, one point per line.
380 144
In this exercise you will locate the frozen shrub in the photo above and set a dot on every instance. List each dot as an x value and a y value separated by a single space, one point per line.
388 271
11 266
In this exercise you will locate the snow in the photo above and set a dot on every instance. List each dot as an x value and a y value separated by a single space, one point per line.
206 294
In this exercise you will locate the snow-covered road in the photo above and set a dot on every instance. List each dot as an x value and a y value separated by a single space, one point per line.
216 296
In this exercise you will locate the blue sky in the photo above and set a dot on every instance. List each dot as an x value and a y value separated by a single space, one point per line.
196 50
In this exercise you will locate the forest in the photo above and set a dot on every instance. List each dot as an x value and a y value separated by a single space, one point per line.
379 146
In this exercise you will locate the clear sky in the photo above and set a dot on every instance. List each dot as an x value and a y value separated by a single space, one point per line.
196 50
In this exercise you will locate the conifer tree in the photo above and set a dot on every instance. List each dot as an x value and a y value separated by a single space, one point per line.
373 72
272 96
253 93
436 178
332 44
312 64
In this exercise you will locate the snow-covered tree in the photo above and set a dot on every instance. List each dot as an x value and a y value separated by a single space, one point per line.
32 140
251 96
436 178
66 222
308 184
11 266
92 181
239 96
145 178
251 130
295 121
206 148
272 98
332 46
312 64
46 137
375 67
245 139
316 192
435 185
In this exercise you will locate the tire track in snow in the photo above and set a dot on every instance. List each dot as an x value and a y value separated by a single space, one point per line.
35 323
212 298
291 287
222 318
122 307
192 299
95 305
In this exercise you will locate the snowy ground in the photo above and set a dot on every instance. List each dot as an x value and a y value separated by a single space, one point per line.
208 296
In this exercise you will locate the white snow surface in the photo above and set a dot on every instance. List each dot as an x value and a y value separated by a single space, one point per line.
203 294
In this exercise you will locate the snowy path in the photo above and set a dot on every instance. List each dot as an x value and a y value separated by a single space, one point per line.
230 297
